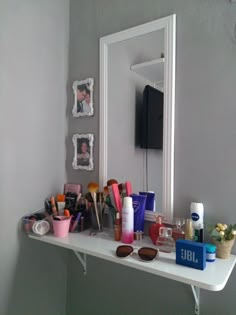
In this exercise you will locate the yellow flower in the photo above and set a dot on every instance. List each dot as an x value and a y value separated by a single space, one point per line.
233 232
222 233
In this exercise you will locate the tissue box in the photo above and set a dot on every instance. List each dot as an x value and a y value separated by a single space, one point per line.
191 254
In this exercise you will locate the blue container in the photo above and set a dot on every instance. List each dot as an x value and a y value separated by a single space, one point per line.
139 211
150 201
210 252
191 254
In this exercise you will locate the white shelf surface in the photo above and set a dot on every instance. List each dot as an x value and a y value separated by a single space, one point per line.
213 278
152 70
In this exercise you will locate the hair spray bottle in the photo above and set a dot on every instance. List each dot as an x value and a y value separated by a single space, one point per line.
127 221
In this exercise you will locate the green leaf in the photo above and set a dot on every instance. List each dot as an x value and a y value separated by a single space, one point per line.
210 227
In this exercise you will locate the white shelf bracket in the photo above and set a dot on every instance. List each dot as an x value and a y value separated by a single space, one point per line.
196 294
82 260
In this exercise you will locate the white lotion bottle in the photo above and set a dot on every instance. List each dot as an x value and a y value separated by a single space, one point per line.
127 221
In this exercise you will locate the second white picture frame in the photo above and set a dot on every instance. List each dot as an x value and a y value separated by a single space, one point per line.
83 151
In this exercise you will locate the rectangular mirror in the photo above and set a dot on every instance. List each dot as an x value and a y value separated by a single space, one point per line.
129 61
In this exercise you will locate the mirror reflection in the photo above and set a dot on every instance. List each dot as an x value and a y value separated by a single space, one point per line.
135 113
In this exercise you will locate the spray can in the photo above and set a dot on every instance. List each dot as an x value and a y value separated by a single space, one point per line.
127 221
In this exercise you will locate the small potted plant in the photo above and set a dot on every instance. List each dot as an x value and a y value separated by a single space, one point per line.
223 237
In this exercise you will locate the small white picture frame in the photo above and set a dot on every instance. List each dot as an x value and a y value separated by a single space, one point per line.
83 152
83 98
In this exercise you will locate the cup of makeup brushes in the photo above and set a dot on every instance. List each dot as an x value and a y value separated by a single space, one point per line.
61 225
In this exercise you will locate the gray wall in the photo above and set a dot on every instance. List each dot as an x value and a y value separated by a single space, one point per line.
33 72
205 143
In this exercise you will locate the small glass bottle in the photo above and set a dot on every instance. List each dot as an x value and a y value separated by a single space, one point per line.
189 232
117 227
165 242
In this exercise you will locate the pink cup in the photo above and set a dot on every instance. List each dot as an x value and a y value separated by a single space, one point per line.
61 228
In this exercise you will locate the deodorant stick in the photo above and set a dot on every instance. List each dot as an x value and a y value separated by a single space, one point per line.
197 216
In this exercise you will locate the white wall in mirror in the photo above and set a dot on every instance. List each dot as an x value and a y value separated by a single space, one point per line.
120 91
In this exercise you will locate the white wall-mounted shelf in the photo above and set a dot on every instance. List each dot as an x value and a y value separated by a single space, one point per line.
152 70
213 278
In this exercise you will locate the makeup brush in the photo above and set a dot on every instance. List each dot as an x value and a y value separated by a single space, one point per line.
88 197
53 205
104 196
112 199
105 190
116 196
128 188
111 181
100 197
93 188
77 200
94 196
122 190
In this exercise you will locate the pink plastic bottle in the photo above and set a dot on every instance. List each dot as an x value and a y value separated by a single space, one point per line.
127 221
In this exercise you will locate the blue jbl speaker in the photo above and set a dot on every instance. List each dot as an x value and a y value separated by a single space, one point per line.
191 254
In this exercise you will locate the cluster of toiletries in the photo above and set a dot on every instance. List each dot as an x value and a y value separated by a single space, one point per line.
158 231
73 211
127 210
129 223
61 214
188 243
193 252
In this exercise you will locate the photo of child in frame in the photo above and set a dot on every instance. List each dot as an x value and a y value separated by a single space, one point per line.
83 98
83 151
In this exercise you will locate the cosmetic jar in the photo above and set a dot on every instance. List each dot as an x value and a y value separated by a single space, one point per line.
210 252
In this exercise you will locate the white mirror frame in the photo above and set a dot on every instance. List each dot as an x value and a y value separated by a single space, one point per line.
168 24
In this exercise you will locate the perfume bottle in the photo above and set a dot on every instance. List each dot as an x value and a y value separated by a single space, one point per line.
165 242
154 229
178 232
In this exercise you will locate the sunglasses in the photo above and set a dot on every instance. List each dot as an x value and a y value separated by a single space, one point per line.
145 253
